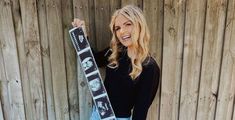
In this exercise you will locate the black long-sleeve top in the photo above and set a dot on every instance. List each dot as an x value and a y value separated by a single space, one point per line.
125 93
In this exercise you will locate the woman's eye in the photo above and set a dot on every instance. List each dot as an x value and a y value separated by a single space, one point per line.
116 29
128 24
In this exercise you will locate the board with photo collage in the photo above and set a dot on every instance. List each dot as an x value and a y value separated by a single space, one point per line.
91 71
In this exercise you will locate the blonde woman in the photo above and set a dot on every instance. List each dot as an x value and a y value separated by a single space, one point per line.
132 75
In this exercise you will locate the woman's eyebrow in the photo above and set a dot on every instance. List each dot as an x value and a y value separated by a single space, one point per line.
123 23
127 21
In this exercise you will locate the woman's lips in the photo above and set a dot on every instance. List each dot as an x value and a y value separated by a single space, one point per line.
126 37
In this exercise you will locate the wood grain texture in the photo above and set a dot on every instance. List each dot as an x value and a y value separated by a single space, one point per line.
6 108
12 83
102 20
5 102
45 51
194 33
212 51
174 13
138 3
1 111
81 11
57 58
192 41
226 94
70 59
31 65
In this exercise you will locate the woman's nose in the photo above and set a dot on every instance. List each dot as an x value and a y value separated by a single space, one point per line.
122 30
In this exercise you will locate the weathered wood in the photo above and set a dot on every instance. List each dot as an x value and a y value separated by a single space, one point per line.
70 58
4 94
114 5
212 51
1 111
31 67
91 24
12 83
81 11
85 10
138 3
203 61
22 57
226 96
233 112
174 13
55 36
5 103
194 26
85 101
155 23
45 51
102 20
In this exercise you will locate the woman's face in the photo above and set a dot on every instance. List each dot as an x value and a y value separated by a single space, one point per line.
123 29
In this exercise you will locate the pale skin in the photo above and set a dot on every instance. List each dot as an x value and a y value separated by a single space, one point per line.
123 29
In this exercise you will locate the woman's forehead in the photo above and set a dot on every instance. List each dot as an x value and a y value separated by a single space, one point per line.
121 19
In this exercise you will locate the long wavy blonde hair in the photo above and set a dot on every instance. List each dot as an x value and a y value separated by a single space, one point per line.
140 40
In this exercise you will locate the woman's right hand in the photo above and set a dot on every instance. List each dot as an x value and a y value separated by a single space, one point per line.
79 23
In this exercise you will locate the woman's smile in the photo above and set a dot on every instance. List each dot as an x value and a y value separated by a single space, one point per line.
123 29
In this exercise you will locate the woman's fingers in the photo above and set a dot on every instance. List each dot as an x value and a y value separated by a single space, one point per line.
79 23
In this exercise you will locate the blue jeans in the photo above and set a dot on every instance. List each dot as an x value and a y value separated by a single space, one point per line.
95 115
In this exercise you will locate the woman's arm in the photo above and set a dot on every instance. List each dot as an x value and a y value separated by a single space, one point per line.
101 57
146 91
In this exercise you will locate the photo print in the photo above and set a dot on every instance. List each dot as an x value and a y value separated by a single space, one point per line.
103 107
78 39
95 84
87 62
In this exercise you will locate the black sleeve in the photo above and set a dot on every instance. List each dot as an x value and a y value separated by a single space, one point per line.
101 57
147 88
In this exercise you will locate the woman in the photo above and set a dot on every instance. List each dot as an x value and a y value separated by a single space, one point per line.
132 75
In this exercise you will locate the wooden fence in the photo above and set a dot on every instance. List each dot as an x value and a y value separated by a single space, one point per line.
192 40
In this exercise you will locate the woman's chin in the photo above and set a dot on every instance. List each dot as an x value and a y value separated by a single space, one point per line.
126 43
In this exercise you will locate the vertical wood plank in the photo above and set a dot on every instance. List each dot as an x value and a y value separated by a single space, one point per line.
114 5
5 103
55 33
138 3
102 30
85 100
155 23
12 81
174 13
45 51
212 51
1 111
194 31
81 11
70 58
226 96
91 24
102 20
85 10
22 59
4 94
30 60
233 112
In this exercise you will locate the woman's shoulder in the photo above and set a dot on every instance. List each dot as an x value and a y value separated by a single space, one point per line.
150 63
